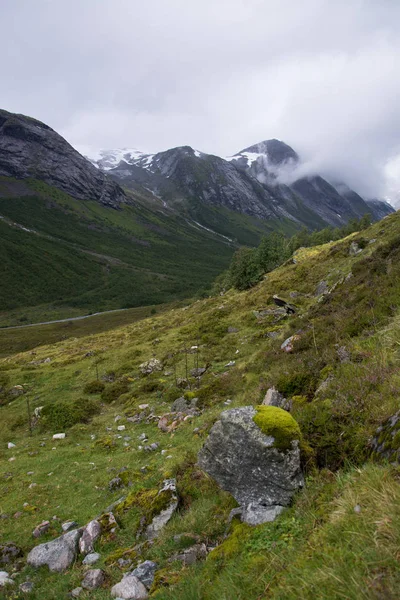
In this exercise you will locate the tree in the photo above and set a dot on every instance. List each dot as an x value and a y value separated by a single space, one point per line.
244 271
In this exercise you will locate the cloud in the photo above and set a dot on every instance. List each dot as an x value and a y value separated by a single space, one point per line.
323 76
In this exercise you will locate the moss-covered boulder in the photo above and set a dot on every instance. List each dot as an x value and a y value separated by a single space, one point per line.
253 453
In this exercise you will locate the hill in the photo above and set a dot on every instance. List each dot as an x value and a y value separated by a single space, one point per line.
339 539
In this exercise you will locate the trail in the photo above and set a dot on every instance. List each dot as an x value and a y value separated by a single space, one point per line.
64 320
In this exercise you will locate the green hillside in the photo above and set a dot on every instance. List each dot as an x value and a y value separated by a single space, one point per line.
339 540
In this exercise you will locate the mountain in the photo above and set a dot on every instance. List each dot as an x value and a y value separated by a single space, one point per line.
31 149
251 182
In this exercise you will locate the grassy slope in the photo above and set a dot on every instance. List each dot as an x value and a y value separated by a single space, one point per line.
320 548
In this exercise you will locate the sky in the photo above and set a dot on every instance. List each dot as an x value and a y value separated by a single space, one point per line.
218 75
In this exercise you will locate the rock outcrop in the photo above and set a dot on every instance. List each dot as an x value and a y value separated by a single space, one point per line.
29 148
259 464
58 555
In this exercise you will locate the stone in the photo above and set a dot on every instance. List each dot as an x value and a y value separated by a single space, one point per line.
93 579
143 406
129 588
288 344
145 572
5 579
245 462
58 555
40 529
91 558
232 330
121 428
9 552
16 390
142 437
115 484
357 508
150 366
89 537
198 372
76 592
322 288
274 398
160 520
386 442
31 486
289 309
59 436
343 354
68 525
191 555
26 587
10 445
231 363
354 249
180 405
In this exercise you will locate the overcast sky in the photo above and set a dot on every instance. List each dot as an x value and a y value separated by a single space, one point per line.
219 75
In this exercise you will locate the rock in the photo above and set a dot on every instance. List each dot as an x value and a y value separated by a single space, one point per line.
290 310
76 592
129 588
5 579
93 579
357 508
16 390
192 555
121 428
231 363
150 366
89 537
59 436
115 484
343 354
145 572
160 520
58 555
274 398
322 288
38 412
41 529
354 249
26 587
91 558
198 372
142 437
386 442
232 329
288 344
32 486
143 406
154 446
68 525
10 445
250 464
180 405
9 553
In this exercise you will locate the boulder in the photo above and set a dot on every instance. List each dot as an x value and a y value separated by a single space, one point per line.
93 579
150 366
160 520
184 406
9 552
59 436
198 372
91 558
354 249
145 572
288 344
129 588
254 454
58 555
89 537
275 398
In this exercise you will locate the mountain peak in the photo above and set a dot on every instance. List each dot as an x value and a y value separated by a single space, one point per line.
276 151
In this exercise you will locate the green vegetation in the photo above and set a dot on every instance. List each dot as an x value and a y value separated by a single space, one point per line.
279 424
339 539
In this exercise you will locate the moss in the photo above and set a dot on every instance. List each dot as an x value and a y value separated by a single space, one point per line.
233 545
125 553
279 424
150 502
164 578
106 442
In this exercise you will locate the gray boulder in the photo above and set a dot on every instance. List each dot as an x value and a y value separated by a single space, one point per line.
145 572
58 555
245 462
275 398
9 552
90 535
91 558
93 579
150 366
5 579
129 588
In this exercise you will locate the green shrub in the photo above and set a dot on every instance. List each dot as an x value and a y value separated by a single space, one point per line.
60 416
114 391
297 384
94 387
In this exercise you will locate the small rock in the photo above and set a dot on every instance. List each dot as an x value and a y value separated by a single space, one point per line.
343 354
5 579
76 592
18 514
274 398
143 406
160 520
142 437
121 428
354 249
68 525
11 459
231 363
124 562
16 391
198 372
30 473
115 484
192 554
10 445
145 572
117 418
59 436
89 537
32 485
40 529
130 588
154 446
357 508
9 553
233 329
150 366
287 345
93 579
26 587
91 558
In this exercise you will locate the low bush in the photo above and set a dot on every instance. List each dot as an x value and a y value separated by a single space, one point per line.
94 387
114 391
60 416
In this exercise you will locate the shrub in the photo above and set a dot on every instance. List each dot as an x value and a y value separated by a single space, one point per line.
59 416
114 391
297 384
94 387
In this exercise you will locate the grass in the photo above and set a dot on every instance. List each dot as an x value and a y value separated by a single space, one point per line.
320 545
